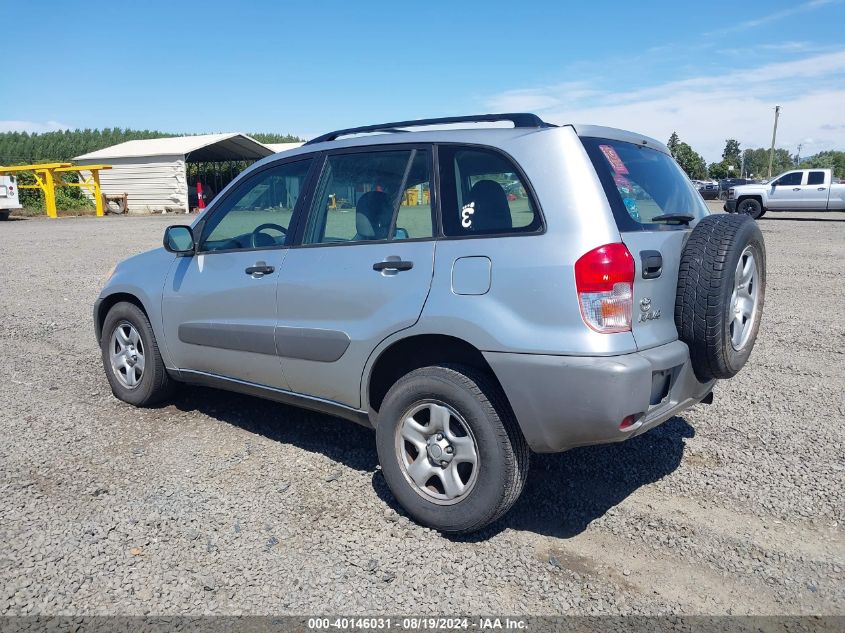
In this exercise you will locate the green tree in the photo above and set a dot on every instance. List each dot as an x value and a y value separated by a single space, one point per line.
833 160
731 153
672 143
757 162
690 161
17 148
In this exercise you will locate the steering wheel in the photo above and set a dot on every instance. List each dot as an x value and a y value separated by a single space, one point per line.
257 236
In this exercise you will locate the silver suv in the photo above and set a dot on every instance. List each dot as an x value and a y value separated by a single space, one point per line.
470 293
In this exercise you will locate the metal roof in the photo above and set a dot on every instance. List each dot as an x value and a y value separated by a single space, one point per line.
199 148
283 147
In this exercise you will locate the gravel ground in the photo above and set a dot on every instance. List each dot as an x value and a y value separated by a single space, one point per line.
220 503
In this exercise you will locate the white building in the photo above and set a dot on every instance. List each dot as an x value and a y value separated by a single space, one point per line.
153 172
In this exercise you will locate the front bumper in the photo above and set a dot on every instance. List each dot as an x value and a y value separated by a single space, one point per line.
730 206
562 402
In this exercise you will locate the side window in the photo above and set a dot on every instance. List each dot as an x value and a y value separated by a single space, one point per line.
815 178
358 195
791 179
483 194
258 213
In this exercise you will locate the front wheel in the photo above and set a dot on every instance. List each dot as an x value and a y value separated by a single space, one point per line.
450 449
750 206
131 358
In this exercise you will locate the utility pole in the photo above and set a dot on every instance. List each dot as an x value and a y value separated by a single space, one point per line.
774 136
742 165
798 157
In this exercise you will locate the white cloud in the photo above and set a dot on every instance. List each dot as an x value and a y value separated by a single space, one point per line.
766 18
705 110
32 126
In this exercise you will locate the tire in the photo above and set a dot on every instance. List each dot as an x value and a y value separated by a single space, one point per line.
750 206
152 384
716 260
472 401
4 214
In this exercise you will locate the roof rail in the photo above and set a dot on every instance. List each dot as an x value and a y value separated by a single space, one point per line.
519 119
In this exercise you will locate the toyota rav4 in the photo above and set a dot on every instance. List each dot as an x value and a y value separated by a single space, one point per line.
472 293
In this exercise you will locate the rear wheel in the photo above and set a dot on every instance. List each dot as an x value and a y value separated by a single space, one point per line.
450 449
4 214
131 358
750 206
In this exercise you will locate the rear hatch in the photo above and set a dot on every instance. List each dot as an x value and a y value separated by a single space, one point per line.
655 207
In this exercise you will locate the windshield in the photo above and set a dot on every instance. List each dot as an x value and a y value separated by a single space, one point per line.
642 184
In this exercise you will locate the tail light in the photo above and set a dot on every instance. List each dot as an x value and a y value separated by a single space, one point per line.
604 278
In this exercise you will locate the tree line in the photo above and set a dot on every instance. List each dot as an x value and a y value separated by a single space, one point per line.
20 148
754 163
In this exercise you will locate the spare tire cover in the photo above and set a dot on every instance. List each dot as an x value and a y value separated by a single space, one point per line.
721 288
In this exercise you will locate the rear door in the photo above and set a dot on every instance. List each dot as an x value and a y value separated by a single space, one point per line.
643 184
816 191
361 271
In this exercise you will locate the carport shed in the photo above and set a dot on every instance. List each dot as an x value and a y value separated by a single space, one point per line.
156 173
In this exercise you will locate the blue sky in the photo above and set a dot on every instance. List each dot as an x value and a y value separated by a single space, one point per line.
708 70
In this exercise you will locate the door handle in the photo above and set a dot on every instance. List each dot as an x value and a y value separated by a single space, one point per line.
393 264
652 264
796 189
822 188
259 269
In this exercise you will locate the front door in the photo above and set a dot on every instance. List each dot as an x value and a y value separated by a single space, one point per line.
219 306
786 193
362 272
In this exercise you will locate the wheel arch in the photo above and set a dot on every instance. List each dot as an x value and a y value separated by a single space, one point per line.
413 352
108 302
755 196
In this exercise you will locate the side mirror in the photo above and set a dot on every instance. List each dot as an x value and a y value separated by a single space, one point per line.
401 234
179 239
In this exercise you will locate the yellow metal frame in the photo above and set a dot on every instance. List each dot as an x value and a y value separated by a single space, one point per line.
48 177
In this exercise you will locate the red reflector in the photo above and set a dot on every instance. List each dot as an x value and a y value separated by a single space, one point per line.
627 423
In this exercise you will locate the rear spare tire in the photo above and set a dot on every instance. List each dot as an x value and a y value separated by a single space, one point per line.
721 288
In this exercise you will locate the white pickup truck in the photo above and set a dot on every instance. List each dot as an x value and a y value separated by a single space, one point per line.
9 200
797 190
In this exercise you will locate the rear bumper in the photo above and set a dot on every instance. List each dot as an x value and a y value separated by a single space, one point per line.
562 402
730 206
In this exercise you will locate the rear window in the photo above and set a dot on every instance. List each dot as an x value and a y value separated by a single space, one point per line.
642 183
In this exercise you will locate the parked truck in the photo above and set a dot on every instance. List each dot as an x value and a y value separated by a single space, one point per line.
9 200
796 190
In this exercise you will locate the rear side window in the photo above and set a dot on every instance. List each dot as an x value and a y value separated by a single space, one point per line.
815 178
642 183
483 194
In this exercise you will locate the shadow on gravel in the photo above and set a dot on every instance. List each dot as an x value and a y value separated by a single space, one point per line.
344 442
564 492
